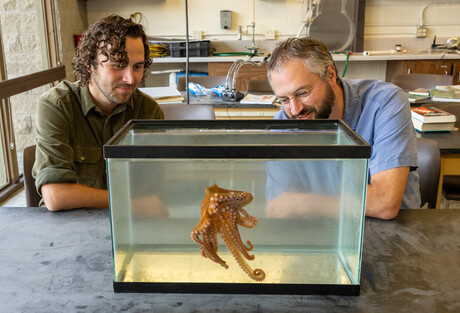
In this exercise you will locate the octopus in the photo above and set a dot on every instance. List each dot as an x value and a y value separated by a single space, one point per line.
221 212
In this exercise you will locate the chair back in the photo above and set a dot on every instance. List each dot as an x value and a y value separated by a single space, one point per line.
451 107
451 183
32 196
205 81
429 168
414 81
259 85
182 111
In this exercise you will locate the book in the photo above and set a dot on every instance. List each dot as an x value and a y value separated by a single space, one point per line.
420 92
163 94
432 127
258 99
449 87
418 98
432 115
444 95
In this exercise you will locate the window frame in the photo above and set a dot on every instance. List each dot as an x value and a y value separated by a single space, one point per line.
10 87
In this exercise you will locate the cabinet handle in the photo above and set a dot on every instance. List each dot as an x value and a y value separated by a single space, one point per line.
445 69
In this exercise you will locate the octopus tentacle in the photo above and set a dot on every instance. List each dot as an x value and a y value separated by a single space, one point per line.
256 274
234 236
238 241
209 245
229 219
248 220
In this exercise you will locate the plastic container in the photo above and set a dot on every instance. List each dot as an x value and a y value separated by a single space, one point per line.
202 48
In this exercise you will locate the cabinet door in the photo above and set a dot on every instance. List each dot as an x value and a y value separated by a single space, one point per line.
245 73
456 72
428 67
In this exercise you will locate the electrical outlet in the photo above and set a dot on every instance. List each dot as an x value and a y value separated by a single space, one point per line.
270 34
421 32
198 35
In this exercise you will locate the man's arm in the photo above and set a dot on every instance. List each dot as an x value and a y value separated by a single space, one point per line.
385 192
67 196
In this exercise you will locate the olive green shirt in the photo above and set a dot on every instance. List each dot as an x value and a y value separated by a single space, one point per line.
71 132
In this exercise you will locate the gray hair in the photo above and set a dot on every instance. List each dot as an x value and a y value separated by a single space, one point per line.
314 53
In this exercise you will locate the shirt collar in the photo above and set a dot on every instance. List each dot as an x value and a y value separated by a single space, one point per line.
352 107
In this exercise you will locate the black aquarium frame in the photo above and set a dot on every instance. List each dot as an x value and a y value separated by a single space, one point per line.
361 150
237 288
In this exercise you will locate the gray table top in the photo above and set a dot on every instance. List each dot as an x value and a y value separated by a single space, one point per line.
62 262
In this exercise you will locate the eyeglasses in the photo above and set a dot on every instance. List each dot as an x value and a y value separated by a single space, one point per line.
299 94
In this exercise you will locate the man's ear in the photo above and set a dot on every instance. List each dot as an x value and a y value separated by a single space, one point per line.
331 74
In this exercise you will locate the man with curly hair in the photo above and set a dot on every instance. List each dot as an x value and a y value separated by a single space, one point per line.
75 119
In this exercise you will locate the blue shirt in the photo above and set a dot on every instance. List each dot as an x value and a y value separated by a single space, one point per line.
380 113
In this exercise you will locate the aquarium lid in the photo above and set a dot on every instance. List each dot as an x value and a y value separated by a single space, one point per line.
237 139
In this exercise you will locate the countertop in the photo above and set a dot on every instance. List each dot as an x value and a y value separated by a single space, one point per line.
357 56
62 262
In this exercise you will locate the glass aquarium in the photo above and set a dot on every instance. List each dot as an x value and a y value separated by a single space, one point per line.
243 206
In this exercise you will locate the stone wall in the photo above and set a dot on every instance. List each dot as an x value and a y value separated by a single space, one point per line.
21 25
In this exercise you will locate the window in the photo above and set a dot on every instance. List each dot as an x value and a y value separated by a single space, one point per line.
25 50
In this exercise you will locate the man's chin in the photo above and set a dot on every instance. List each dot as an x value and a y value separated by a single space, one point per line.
123 98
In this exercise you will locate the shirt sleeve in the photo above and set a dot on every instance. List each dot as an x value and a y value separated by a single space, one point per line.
53 163
393 141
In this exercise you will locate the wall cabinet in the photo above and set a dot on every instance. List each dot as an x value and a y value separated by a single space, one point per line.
245 113
443 67
456 72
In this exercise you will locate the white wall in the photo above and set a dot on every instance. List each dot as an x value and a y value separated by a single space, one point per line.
167 17
387 22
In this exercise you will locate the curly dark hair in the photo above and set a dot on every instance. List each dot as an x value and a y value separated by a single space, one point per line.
107 36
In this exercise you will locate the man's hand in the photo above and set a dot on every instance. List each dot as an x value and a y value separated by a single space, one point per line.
292 205
149 206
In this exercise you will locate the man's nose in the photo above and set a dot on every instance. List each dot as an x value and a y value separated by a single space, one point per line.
295 106
128 76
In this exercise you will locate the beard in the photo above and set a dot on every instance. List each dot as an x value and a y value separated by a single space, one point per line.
110 91
327 103
325 108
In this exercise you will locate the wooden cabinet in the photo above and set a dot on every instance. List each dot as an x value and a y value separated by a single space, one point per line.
245 113
456 72
443 67
245 73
